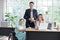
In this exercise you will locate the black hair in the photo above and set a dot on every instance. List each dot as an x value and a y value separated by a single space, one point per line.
40 15
46 12
21 19
31 2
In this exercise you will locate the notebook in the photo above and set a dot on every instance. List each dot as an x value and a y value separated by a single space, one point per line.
43 26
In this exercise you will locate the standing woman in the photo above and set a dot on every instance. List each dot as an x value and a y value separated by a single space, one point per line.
20 30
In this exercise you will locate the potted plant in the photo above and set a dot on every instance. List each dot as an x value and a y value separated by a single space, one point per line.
11 19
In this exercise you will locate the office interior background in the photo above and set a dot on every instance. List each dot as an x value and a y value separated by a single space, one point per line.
15 9
12 10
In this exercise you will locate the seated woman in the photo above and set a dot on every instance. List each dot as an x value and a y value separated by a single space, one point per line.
40 24
20 30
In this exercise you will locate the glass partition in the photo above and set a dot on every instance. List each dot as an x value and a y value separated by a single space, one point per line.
18 7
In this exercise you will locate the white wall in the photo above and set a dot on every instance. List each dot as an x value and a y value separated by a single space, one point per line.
1 10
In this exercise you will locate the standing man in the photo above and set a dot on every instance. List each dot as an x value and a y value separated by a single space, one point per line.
30 16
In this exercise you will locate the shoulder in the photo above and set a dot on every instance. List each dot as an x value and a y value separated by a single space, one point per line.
27 9
34 9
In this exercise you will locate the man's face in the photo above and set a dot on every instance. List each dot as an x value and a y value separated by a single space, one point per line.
31 5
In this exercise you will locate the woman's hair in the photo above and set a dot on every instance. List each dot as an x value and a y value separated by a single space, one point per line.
21 19
40 15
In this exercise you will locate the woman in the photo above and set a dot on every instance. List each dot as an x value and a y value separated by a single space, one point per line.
40 24
20 30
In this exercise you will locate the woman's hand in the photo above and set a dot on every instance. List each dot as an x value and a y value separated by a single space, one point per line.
20 29
36 28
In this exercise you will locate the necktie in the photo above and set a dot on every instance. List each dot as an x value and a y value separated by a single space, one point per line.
31 13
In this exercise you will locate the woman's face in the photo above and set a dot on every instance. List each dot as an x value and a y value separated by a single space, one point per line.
22 22
40 18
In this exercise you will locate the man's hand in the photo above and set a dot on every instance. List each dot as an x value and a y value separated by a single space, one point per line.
31 19
29 28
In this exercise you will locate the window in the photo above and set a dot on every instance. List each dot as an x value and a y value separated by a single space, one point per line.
18 7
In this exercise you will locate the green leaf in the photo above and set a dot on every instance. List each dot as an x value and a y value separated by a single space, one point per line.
15 16
6 20
6 15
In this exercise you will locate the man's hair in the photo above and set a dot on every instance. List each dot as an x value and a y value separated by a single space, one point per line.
31 2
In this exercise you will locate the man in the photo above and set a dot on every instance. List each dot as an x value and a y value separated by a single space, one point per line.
46 17
30 15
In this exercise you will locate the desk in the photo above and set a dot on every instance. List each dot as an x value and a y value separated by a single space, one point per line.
6 30
35 34
42 35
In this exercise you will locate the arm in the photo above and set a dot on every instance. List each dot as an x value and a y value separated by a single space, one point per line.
25 15
36 14
36 25
21 29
